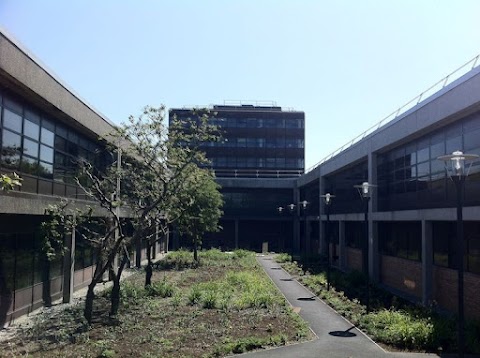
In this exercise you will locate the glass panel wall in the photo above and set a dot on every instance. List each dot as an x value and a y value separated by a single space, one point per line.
411 176
41 149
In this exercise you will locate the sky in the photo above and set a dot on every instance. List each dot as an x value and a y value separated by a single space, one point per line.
347 64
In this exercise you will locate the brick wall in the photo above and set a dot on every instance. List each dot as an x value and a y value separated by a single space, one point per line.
401 274
354 259
445 291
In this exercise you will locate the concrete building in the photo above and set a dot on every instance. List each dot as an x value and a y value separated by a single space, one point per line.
412 213
44 127
261 153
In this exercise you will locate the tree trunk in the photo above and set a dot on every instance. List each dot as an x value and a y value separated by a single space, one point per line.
88 310
115 296
195 250
149 268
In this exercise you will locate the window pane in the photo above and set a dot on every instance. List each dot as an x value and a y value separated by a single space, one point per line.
46 153
11 144
12 120
29 165
24 261
30 147
47 137
31 129
46 170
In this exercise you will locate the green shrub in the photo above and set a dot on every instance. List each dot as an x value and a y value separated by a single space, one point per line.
240 254
132 291
160 289
283 257
194 295
209 299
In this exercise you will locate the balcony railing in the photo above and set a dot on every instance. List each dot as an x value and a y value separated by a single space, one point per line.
462 70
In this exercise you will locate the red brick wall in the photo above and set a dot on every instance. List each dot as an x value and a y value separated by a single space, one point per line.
445 291
354 259
401 274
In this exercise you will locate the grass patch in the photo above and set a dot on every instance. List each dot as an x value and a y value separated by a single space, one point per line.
392 320
225 305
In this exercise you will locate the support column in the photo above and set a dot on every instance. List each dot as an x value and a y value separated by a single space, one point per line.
308 232
342 247
373 254
69 268
427 262
156 244
236 233
323 245
296 223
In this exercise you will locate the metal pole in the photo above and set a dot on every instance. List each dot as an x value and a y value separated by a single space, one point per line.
327 234
365 261
459 184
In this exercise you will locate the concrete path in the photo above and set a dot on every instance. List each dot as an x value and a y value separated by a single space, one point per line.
336 337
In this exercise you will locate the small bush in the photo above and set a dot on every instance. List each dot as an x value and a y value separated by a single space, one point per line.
283 257
160 289
195 295
210 299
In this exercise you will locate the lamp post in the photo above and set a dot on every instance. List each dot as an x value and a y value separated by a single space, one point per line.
458 174
365 191
328 200
303 205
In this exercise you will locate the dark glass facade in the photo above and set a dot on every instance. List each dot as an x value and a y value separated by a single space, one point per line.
257 141
347 198
401 239
411 177
43 150
249 202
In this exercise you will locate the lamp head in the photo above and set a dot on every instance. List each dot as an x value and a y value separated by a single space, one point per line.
365 189
304 204
280 209
291 207
457 160
328 198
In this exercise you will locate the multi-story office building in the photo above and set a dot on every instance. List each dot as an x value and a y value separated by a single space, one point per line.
258 141
256 162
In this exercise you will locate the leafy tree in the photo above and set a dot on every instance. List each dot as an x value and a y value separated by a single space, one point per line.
102 227
160 161
202 206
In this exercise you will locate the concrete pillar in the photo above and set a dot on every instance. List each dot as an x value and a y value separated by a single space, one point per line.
156 244
69 268
322 222
342 247
373 253
296 223
427 262
236 233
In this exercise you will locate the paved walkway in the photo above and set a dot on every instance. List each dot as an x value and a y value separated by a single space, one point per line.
324 322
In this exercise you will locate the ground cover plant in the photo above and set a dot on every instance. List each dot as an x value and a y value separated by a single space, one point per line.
392 321
222 305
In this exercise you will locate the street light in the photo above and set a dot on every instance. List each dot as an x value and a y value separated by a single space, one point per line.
458 174
328 201
365 191
303 205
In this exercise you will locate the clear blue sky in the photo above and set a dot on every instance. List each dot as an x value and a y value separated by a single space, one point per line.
347 64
